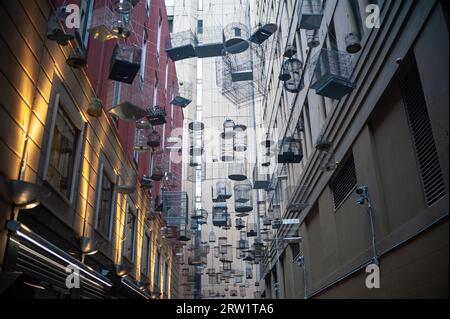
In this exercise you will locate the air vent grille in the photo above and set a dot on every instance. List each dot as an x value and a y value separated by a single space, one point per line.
344 183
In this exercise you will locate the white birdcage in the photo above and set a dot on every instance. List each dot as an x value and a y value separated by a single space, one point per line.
221 191
237 170
181 45
220 214
243 198
235 38
175 208
240 138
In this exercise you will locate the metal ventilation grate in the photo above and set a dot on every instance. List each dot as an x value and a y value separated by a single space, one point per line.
422 133
344 183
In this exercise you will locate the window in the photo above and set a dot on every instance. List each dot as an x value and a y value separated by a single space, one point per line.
155 91
166 278
158 43
105 204
147 8
136 142
200 26
422 135
62 154
344 182
200 5
157 277
145 262
130 235
144 55
170 23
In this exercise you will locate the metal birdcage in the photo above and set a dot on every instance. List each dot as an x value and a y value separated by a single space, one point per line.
216 252
240 138
226 148
182 94
157 115
181 45
237 170
312 39
199 214
290 151
239 223
175 208
212 237
332 71
196 172
140 141
235 37
130 105
222 241
311 14
326 154
125 63
210 42
248 271
251 230
221 192
220 214
154 139
169 232
242 244
229 224
127 181
292 75
196 138
263 32
158 168
228 128
101 24
226 254
243 199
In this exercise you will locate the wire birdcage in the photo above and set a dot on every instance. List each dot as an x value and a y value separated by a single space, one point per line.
129 105
221 192
196 172
242 244
235 37
251 230
127 181
290 151
332 71
239 223
196 138
311 14
125 62
240 138
237 170
243 199
220 214
226 148
181 45
210 42
226 254
101 24
158 167
175 208
182 94
212 237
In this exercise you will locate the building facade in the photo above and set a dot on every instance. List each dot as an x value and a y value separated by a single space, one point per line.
87 123
368 104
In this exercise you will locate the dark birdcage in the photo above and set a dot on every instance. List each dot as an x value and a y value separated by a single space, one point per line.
199 213
235 38
210 42
220 214
242 244
157 115
226 253
292 75
196 138
181 45
175 208
311 14
332 74
154 139
240 138
239 223
125 63
158 170
263 32
290 151
182 94
251 230
221 191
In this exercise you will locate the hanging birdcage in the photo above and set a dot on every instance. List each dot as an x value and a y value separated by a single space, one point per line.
242 244
182 94
326 154
243 199
239 223
290 151
263 32
169 232
261 178
229 224
101 24
265 236
125 63
210 42
158 170
251 230
228 128
227 267
154 139
175 208
292 75
212 237
199 214
130 105
240 138
226 254
127 182
266 221
197 172
220 214
235 38
248 271
157 115
216 252
311 14
223 241
258 247
140 141
196 138
312 39
332 71
77 57
226 148
237 170
181 45
221 192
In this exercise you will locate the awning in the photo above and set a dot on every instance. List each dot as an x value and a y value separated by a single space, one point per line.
32 255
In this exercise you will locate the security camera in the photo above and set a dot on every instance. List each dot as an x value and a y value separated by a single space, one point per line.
301 261
361 190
